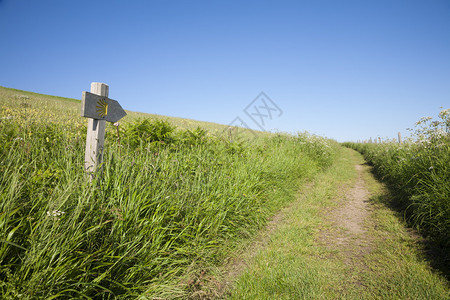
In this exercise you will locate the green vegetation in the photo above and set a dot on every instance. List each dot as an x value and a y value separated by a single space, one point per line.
177 199
419 172
291 266
170 202
304 259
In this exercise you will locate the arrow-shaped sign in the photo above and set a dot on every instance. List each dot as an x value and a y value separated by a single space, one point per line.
101 108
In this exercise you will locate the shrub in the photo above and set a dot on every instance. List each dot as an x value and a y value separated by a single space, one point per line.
143 132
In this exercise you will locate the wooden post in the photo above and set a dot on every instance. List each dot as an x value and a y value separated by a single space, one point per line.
399 137
95 139
230 133
98 108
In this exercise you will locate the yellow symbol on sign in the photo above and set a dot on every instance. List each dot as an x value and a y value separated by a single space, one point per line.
102 108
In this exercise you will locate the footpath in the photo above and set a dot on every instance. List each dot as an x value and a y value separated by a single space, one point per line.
339 240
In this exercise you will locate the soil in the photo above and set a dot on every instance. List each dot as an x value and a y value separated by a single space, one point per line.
347 234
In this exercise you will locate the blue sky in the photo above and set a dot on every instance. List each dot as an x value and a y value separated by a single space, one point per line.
347 70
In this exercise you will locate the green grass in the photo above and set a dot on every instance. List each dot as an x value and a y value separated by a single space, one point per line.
170 204
293 266
296 264
419 173
399 267
175 201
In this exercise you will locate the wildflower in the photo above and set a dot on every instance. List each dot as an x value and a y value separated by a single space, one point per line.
55 213
18 139
116 124
431 168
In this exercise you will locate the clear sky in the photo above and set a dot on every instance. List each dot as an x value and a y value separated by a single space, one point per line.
347 70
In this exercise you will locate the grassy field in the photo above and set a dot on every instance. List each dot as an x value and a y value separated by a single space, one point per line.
171 202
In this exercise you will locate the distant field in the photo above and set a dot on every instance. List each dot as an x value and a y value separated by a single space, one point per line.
65 110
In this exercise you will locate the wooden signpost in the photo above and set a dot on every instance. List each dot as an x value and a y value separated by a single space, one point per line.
98 108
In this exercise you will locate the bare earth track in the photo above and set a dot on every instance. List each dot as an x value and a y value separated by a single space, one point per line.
348 235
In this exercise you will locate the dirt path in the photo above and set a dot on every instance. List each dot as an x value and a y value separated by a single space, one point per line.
348 233
339 240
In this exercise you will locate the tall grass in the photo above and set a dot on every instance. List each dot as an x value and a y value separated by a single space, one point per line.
419 171
168 202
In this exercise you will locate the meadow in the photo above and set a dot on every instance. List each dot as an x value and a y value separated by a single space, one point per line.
174 199
418 171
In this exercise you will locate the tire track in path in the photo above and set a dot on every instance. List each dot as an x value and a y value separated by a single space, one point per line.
348 232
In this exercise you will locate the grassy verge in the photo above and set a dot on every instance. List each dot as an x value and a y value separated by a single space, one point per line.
170 202
418 172
399 267
297 265
419 176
